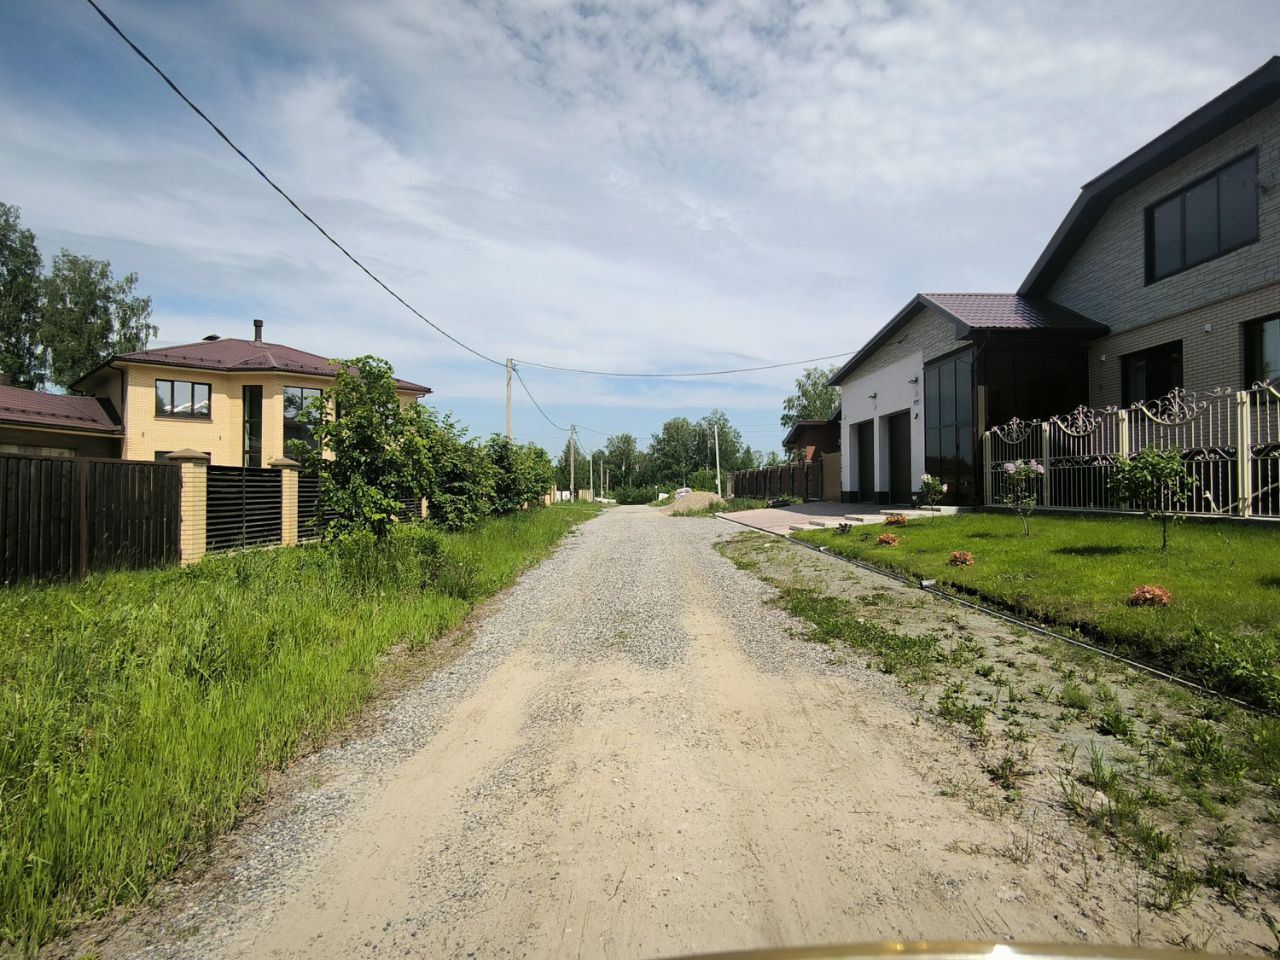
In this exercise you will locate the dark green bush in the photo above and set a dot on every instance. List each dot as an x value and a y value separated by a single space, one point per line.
632 495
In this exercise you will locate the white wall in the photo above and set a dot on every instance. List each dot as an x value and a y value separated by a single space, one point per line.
894 392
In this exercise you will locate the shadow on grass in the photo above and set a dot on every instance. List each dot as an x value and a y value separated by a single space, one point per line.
1095 551
1272 582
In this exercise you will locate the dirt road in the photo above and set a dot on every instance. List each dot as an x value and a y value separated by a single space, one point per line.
637 757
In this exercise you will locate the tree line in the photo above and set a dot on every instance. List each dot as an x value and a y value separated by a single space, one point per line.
58 324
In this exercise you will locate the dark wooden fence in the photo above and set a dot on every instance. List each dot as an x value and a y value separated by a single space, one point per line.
800 480
63 518
242 508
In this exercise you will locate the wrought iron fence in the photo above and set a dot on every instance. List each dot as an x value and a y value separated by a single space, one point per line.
1230 442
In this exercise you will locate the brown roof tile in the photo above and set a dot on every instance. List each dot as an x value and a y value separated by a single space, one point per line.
1008 311
230 354
31 408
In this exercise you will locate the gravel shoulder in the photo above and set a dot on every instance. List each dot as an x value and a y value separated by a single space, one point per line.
637 755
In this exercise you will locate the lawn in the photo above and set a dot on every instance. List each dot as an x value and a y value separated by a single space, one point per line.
139 710
1222 627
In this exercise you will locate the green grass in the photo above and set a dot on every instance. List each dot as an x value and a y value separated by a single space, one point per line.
1223 627
139 711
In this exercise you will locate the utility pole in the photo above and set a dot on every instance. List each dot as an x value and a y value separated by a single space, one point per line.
508 398
718 491
591 475
573 456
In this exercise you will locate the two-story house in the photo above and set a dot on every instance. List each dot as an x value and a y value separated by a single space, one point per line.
1165 273
235 400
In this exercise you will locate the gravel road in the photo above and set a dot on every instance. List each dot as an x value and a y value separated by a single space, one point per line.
636 756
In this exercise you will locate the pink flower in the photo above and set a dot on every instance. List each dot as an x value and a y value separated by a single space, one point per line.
1039 467
1009 468
946 487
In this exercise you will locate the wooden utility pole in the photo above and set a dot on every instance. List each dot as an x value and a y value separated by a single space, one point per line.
718 491
573 457
508 398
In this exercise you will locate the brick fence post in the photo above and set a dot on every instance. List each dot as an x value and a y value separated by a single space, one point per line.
288 499
194 500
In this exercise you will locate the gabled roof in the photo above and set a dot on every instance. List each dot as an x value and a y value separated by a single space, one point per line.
31 408
1256 91
995 312
232 355
792 434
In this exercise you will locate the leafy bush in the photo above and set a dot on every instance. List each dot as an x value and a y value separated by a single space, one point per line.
895 520
704 480
1157 482
1020 494
632 495
888 540
961 558
523 474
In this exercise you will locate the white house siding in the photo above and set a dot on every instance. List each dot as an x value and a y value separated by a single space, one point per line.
888 373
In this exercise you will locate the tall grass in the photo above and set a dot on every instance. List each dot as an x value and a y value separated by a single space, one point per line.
138 711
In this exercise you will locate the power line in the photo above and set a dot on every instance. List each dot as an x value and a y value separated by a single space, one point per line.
276 187
380 282
529 394
671 376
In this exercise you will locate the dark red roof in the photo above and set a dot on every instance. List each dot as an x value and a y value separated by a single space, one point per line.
232 355
31 408
1008 311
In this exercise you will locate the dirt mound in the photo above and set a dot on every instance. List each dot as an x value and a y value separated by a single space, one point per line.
695 500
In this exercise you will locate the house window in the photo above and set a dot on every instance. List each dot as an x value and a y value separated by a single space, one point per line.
1213 216
1150 374
1262 351
295 398
251 404
182 398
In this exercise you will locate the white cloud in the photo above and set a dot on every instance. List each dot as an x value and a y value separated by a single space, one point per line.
624 185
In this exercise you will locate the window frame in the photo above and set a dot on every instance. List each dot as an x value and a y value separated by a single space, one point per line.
288 421
161 415
1251 330
1148 222
1126 386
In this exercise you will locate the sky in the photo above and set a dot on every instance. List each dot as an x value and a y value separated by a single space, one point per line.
623 186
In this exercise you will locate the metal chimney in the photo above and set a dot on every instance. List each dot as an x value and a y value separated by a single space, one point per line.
257 330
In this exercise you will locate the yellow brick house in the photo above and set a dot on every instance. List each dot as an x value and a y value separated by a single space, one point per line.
234 400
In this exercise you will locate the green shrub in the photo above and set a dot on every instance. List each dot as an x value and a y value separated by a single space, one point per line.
632 495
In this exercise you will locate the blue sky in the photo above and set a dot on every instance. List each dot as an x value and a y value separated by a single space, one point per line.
621 186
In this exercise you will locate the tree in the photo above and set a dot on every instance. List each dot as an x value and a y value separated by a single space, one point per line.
381 452
1020 490
20 269
582 467
523 473
1157 481
675 450
88 315
813 399
463 486
622 457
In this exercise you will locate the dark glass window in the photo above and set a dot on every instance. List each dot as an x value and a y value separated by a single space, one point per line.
1262 350
949 430
295 398
182 398
1213 216
1150 374
252 402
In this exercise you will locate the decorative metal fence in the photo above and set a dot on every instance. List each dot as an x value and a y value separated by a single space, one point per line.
1230 442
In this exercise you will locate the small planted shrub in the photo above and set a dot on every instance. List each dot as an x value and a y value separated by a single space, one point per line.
1158 483
888 540
1021 494
1149 595
895 520
932 490
961 558
844 529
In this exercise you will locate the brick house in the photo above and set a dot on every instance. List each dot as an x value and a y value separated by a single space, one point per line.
235 400
1164 273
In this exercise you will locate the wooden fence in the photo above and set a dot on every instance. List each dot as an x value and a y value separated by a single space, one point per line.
1230 444
801 480
61 518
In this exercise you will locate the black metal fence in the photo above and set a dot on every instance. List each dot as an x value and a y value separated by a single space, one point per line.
63 518
800 480
242 508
